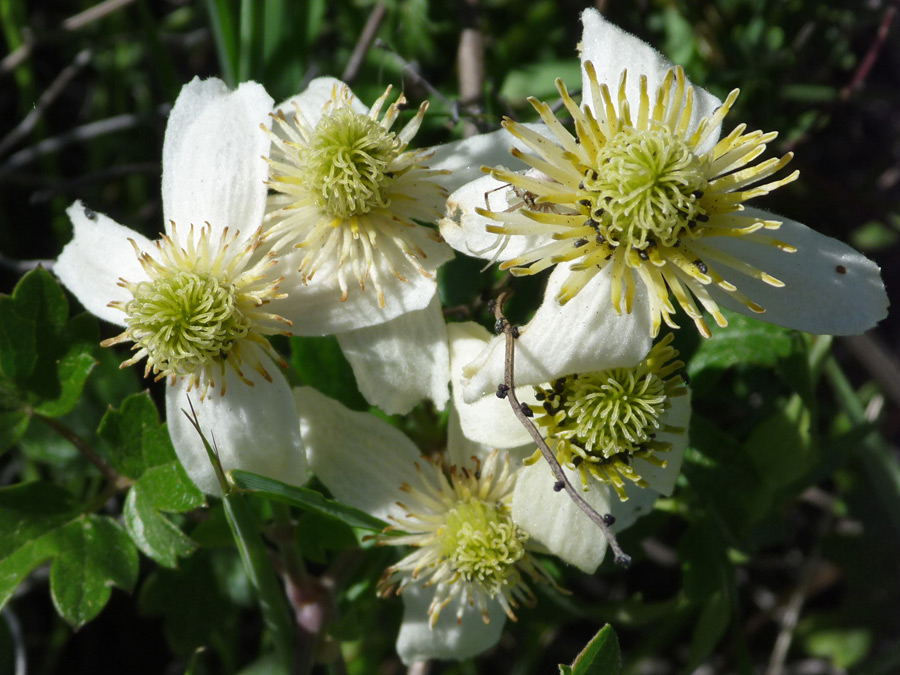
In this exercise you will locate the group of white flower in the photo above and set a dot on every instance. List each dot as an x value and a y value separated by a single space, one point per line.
314 218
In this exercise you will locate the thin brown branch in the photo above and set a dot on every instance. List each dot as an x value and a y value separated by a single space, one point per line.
366 38
116 480
562 482
16 57
470 63
865 66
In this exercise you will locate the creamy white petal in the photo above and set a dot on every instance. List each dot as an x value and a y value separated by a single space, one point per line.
313 99
254 428
465 231
464 159
448 639
97 257
316 309
640 502
360 458
662 480
584 335
613 50
488 420
829 288
213 166
555 522
399 362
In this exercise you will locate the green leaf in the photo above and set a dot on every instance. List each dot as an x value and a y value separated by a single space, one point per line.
73 372
743 341
258 566
711 626
539 80
843 647
13 425
304 498
780 446
600 656
153 533
140 447
90 553
320 363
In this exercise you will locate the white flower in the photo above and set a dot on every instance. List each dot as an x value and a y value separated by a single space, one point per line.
618 432
644 203
198 302
470 567
352 212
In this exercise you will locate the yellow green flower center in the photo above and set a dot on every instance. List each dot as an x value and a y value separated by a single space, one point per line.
482 543
646 189
600 422
185 321
346 166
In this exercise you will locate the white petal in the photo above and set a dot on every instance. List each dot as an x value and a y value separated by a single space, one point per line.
488 420
97 257
613 50
254 428
662 480
465 231
829 288
555 522
313 99
402 361
361 459
640 502
316 309
448 639
584 335
464 159
213 166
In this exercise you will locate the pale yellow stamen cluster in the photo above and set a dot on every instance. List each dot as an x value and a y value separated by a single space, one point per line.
349 195
598 423
635 190
467 546
200 310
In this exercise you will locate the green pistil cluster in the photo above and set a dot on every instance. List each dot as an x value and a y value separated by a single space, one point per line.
646 189
483 544
185 321
600 422
346 163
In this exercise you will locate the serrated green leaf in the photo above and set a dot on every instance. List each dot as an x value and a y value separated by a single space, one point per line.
169 488
320 363
93 554
13 425
90 553
154 534
743 341
124 431
73 372
304 498
600 656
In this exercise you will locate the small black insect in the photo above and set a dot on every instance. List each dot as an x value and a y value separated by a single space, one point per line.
502 390
558 486
580 242
701 266
526 410
89 214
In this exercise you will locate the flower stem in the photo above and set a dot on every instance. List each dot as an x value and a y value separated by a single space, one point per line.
621 558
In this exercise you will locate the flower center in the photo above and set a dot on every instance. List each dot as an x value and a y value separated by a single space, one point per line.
346 167
185 320
599 422
646 188
482 543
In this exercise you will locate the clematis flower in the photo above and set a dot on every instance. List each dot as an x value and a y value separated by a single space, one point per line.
197 303
645 203
471 566
352 212
619 433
